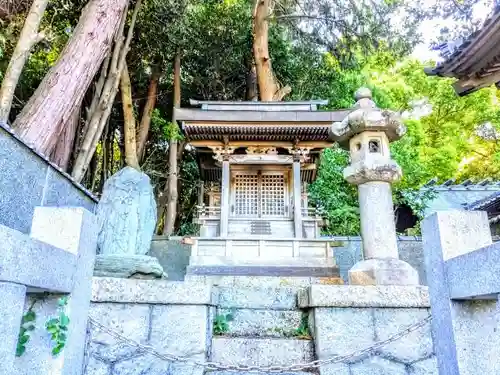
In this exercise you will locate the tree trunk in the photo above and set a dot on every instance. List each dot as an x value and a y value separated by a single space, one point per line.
42 119
28 38
265 77
129 120
269 88
146 113
252 92
172 193
101 115
64 147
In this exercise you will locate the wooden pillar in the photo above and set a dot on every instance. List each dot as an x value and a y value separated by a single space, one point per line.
201 193
297 196
224 204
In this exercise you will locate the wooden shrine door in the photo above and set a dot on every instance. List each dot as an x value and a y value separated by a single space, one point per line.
259 194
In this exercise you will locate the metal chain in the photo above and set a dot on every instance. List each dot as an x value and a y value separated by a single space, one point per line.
277 369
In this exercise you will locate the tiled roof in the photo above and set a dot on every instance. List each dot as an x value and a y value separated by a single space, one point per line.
459 197
477 57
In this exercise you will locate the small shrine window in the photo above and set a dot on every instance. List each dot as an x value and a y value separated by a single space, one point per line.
374 146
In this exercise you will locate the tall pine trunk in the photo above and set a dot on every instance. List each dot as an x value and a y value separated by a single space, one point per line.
28 38
171 187
43 118
129 128
106 97
147 112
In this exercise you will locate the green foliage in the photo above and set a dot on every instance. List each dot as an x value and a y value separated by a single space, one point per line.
58 327
302 330
338 198
221 321
27 325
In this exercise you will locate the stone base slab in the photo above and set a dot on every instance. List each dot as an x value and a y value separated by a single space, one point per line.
357 296
387 271
261 352
133 266
265 270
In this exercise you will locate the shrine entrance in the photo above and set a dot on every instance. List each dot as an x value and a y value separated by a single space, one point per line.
259 194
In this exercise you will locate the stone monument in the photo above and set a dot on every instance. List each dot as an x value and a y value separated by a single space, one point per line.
366 133
127 218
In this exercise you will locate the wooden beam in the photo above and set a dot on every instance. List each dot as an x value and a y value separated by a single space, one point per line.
313 144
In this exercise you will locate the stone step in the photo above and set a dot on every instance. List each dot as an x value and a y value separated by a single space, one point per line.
253 373
261 352
268 298
262 323
261 281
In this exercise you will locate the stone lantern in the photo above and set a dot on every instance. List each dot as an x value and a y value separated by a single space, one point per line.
366 133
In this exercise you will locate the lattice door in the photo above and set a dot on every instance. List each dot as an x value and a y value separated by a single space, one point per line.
246 195
273 195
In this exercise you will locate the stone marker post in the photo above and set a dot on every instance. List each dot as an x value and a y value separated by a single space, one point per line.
463 268
366 133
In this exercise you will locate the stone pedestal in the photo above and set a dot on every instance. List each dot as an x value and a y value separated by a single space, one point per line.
367 132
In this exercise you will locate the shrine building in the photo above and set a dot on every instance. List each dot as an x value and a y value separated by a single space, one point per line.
256 160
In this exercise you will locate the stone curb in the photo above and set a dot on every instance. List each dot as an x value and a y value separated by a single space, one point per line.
108 289
364 296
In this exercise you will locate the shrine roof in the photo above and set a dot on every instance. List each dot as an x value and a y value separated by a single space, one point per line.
257 121
475 62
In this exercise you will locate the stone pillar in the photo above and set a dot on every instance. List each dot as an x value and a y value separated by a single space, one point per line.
297 210
366 133
11 311
224 204
201 193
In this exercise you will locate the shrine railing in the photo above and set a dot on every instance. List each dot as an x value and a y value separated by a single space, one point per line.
312 212
207 211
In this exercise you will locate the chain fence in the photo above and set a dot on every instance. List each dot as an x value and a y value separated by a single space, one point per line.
246 368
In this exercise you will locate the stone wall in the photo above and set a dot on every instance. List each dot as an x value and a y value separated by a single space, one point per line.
28 180
173 256
345 319
349 250
172 317
177 318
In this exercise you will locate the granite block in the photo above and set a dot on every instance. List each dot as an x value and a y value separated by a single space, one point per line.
75 231
61 192
475 275
284 298
413 347
129 320
266 323
108 289
11 311
95 367
182 330
261 352
335 369
363 296
22 182
142 365
462 331
339 331
378 366
30 262
424 367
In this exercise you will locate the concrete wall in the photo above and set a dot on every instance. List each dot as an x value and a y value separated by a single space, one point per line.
28 180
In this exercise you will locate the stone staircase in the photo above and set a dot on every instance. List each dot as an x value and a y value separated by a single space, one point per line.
263 327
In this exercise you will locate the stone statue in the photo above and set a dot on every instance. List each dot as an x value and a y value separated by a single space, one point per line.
126 214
